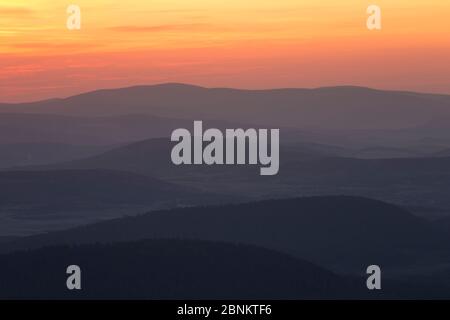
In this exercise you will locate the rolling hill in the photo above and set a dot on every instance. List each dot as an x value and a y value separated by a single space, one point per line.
443 153
169 269
38 201
26 154
344 234
27 128
304 171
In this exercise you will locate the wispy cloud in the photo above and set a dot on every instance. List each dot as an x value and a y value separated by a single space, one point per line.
15 11
18 70
161 28
49 45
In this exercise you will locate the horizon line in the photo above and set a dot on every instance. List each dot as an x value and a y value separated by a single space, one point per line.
166 84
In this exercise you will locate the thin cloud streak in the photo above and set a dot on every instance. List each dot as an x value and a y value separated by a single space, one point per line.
161 28
15 11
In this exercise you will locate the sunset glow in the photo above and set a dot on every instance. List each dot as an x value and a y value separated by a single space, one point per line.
244 44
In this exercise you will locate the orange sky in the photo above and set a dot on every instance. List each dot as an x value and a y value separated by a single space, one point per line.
232 43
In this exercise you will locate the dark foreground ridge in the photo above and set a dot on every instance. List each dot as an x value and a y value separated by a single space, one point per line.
169 269
340 233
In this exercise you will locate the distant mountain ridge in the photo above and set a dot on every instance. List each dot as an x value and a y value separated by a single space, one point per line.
332 108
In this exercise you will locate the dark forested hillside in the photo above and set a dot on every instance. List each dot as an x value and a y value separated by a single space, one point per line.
341 233
169 270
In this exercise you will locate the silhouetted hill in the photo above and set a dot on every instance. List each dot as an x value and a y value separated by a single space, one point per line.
304 170
45 200
443 153
340 233
153 157
386 153
70 137
331 108
443 223
26 154
7 239
113 187
156 269
61 129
